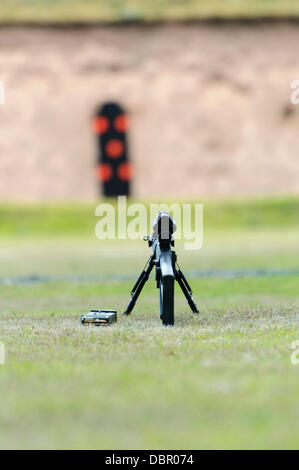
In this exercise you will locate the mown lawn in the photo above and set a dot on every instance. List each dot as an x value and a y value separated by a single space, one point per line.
41 11
222 379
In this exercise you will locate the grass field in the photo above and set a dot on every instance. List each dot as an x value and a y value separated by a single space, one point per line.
219 380
125 10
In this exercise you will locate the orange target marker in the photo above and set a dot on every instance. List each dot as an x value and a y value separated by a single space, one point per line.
114 148
100 125
104 172
125 171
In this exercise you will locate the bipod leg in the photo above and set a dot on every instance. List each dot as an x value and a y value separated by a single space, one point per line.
139 284
184 285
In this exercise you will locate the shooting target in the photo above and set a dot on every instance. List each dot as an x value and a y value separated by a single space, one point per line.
114 171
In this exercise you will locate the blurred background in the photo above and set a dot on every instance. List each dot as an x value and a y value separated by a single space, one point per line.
206 85
209 101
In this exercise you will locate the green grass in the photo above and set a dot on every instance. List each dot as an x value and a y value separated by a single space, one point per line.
77 219
219 380
119 10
